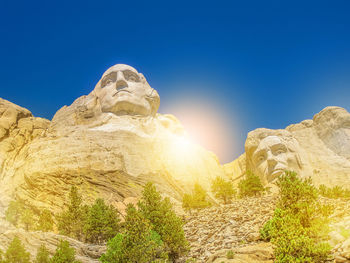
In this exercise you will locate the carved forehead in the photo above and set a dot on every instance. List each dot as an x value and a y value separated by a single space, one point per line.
269 141
119 67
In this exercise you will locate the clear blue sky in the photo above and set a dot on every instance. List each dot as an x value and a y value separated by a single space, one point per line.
258 63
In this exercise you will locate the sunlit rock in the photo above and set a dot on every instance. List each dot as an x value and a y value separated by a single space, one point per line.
108 143
318 148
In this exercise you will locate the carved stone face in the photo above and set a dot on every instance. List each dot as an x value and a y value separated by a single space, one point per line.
272 155
124 91
333 127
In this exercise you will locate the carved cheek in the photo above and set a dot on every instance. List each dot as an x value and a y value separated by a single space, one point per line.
262 167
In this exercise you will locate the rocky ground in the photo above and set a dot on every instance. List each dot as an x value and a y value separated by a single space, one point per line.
214 231
228 227
340 228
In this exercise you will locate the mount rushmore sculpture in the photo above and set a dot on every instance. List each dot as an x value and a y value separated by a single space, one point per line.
317 148
108 143
113 140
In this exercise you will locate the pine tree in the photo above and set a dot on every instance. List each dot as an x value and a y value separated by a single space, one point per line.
102 222
45 222
71 221
16 253
139 244
223 189
198 198
164 221
13 212
64 254
250 185
42 255
27 218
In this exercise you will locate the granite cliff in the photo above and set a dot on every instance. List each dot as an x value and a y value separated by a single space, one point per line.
112 141
109 143
319 148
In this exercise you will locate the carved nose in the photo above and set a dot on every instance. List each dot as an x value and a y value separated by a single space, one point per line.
121 82
271 159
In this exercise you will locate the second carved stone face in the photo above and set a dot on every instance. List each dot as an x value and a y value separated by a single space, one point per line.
124 91
272 156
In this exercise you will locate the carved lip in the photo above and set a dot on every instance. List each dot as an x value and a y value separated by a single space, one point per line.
121 90
277 171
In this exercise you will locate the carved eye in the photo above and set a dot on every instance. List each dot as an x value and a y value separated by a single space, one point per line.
261 158
280 151
107 82
131 77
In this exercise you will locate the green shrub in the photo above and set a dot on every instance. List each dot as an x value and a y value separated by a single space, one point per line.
42 255
250 186
334 192
13 212
198 198
102 222
299 224
45 222
138 244
230 254
64 254
223 189
164 221
16 253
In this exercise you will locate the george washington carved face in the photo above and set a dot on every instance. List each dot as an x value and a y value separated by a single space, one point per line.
124 91
270 153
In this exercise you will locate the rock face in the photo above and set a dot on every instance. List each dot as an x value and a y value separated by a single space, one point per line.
319 148
108 143
86 253
213 230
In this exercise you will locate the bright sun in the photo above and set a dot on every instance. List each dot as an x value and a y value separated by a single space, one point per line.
205 127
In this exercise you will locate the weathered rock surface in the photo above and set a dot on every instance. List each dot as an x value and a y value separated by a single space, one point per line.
262 252
340 228
108 143
228 227
319 148
86 253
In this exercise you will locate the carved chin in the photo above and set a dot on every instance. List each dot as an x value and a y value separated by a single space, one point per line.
129 108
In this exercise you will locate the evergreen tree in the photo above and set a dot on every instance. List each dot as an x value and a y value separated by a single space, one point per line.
223 189
45 222
71 221
42 255
298 229
164 221
250 185
139 244
27 218
198 198
13 212
102 222
64 254
16 253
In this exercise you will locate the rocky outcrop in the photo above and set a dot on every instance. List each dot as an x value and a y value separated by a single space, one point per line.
319 148
86 253
109 143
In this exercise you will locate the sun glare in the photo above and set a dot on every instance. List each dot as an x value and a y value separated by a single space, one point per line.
206 127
